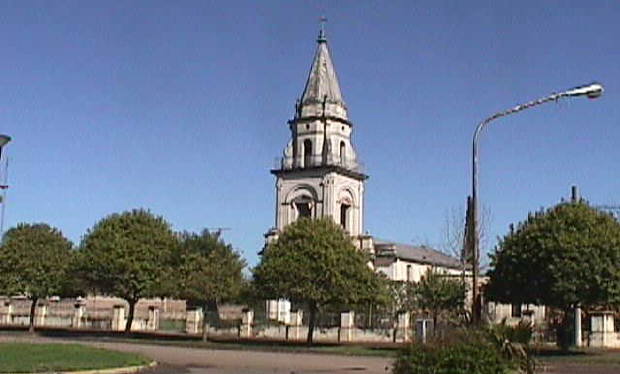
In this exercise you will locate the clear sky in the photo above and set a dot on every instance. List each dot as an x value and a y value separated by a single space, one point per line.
181 107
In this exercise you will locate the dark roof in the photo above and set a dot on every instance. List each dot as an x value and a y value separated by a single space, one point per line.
421 254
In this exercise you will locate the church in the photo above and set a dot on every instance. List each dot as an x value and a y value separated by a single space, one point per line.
320 175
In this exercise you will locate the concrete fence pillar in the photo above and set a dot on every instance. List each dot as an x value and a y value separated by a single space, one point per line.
247 319
152 322
118 318
347 323
578 338
294 329
40 314
193 320
404 327
603 333
7 318
78 314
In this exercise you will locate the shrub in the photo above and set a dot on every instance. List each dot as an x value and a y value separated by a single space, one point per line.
467 353
513 344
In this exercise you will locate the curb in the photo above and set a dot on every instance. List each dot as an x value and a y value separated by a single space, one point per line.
123 370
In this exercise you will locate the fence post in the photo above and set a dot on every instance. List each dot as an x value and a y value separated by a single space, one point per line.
153 320
78 314
118 317
603 333
347 320
192 321
8 318
403 326
247 319
296 322
40 314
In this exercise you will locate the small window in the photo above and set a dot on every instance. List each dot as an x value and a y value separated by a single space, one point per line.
342 152
344 212
307 153
517 310
409 273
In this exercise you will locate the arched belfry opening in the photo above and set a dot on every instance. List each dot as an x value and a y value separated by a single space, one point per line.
303 206
343 149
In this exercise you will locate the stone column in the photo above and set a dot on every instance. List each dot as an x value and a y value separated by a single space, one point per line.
152 322
296 323
347 323
247 319
8 317
193 320
578 340
40 314
78 314
403 332
603 333
118 318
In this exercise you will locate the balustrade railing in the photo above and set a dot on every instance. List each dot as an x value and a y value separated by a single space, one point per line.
289 163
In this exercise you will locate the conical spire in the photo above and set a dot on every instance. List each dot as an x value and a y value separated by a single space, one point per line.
322 84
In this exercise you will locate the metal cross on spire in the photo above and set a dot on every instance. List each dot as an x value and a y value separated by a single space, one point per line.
323 21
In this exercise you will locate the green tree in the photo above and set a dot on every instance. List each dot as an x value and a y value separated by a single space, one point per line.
566 256
128 255
315 263
439 293
34 261
209 271
401 298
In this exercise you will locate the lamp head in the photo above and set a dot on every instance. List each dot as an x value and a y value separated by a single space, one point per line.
592 90
4 139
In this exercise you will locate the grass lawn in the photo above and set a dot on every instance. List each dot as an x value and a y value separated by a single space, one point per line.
32 357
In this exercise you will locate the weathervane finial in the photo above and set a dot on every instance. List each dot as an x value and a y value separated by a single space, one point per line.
323 21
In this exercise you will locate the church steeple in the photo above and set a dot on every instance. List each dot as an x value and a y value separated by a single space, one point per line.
319 174
322 85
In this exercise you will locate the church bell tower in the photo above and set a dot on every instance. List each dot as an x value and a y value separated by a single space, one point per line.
319 174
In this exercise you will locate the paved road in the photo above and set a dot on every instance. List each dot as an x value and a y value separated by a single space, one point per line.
208 361
182 360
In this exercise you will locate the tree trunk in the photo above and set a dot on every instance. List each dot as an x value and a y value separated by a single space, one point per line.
311 321
205 322
435 324
209 306
395 328
132 309
33 309
565 334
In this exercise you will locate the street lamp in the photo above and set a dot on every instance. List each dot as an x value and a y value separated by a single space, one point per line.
4 140
591 91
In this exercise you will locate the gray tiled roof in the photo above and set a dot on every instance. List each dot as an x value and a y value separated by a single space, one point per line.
420 254
322 80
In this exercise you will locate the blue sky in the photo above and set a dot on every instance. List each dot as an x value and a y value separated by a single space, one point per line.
181 107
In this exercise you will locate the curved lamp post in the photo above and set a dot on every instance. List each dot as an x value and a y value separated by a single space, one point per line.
591 91
4 140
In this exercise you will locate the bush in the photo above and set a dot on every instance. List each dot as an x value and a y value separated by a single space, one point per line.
513 344
467 353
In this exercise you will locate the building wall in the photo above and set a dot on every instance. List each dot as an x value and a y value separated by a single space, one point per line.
402 270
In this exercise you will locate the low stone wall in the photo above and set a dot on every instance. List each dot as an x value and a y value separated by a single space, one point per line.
101 313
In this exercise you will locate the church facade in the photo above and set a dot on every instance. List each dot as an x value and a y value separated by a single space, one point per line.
320 175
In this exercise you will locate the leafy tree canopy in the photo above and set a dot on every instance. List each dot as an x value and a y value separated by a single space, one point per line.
438 292
208 270
34 261
314 262
128 255
561 257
